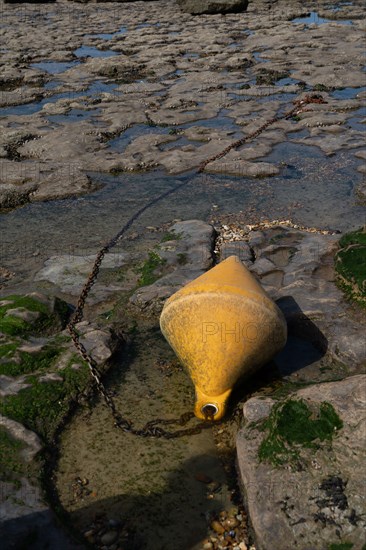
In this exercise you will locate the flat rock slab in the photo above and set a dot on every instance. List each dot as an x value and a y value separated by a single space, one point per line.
198 7
321 500
296 269
100 344
31 440
24 514
69 273
188 256
11 386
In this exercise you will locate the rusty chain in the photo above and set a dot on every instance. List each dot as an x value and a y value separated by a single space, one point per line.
299 105
151 428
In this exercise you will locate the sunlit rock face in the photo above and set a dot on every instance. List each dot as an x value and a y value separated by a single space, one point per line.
212 6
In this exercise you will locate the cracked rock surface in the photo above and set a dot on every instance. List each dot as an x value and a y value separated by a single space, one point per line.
318 501
119 89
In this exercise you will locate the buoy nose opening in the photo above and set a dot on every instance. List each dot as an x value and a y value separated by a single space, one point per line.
209 410
210 407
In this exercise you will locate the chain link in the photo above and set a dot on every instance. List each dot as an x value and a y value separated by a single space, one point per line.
151 428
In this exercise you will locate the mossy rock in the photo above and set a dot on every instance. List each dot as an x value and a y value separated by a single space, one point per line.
150 270
296 424
11 464
268 77
350 265
14 362
24 322
48 320
343 546
43 406
171 236
322 88
33 347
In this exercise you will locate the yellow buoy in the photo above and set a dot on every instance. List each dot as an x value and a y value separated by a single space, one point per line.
222 326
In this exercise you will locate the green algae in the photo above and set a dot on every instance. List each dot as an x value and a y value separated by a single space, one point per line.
7 350
44 324
355 237
147 272
27 362
341 546
350 265
10 462
42 406
182 258
171 236
294 424
12 325
17 332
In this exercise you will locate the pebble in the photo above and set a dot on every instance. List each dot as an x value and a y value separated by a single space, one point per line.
234 511
89 535
6 274
230 523
203 478
113 523
214 487
216 526
109 538
207 545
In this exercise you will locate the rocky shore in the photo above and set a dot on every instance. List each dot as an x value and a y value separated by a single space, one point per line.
87 88
93 94
320 365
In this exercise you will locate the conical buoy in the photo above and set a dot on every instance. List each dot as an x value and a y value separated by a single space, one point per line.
222 325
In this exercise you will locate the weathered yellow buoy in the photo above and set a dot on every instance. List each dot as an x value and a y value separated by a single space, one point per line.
222 326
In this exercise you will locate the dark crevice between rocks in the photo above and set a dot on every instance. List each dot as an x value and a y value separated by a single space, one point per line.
106 135
12 147
253 254
10 200
8 85
333 487
214 248
269 77
125 75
